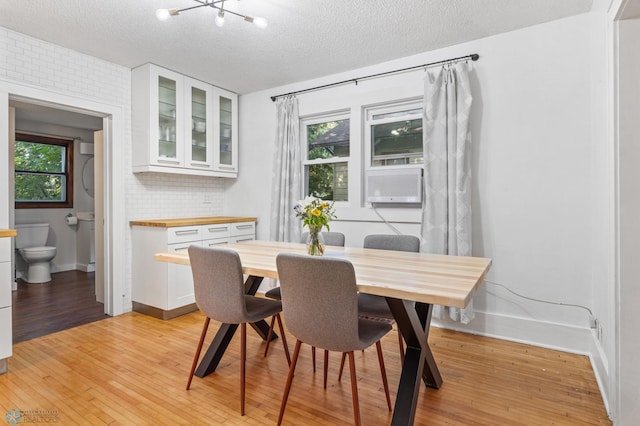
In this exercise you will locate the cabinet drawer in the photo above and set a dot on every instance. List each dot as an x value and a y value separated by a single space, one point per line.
184 234
215 242
243 228
183 246
5 249
241 238
221 230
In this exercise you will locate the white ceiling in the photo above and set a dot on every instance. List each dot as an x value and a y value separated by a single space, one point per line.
305 39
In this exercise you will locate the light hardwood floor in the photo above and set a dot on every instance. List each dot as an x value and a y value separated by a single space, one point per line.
132 370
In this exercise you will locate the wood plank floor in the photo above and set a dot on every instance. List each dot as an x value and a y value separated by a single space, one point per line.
132 370
67 301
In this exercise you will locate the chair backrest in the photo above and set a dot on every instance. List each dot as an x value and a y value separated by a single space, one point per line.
218 283
392 242
319 300
330 238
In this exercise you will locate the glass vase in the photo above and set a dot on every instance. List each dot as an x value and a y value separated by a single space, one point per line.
315 241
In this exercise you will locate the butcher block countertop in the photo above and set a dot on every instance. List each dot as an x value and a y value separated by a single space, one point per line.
188 221
7 233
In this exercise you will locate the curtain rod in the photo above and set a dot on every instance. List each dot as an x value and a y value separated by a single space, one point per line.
473 57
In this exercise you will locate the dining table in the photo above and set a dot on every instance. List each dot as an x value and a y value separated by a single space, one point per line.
411 283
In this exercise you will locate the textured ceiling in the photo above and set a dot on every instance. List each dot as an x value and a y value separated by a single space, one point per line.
305 38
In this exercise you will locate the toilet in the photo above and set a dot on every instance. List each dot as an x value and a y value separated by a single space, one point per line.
30 243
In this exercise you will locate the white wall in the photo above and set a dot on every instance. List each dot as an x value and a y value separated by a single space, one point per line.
536 148
628 320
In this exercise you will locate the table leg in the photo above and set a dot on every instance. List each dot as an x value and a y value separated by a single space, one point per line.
413 320
225 333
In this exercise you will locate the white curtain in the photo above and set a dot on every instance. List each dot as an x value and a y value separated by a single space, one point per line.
446 210
286 180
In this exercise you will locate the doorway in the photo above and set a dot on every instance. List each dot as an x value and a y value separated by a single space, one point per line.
116 298
71 298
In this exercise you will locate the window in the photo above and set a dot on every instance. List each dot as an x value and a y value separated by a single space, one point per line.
394 133
326 157
43 172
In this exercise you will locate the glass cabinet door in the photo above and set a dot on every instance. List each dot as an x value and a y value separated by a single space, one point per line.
168 125
226 131
198 126
226 140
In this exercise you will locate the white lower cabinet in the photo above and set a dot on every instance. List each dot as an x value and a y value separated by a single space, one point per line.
5 303
165 290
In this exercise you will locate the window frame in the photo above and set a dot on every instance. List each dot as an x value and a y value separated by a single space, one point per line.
68 173
389 108
305 163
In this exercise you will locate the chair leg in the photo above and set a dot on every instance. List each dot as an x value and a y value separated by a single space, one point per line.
198 350
313 357
284 339
287 387
384 374
243 361
354 389
401 344
326 366
270 335
344 357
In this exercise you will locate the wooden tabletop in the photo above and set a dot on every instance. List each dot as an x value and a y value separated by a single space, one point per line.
429 278
188 221
8 233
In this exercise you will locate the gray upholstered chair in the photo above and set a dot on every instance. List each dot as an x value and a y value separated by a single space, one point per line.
220 295
329 320
371 306
330 239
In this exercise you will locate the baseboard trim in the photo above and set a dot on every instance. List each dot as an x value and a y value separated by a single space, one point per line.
161 313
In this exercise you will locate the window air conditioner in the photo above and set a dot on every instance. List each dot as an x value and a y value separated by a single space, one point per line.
394 185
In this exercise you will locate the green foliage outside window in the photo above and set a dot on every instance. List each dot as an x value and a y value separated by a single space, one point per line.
328 181
40 172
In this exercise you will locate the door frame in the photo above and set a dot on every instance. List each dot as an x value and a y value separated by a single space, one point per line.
114 183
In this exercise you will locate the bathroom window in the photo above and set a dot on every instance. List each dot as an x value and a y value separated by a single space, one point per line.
43 172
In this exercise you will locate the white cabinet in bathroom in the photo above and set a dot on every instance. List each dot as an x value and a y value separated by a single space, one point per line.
165 290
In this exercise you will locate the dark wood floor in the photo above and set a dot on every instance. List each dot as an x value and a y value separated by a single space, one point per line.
65 302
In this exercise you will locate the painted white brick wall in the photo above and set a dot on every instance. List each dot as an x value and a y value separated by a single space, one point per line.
34 62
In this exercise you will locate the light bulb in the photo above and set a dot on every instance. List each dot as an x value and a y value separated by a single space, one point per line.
260 22
162 14
220 18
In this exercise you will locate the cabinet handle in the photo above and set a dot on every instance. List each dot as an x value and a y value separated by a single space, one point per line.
222 229
204 166
182 249
226 167
187 232
244 239
244 226
218 244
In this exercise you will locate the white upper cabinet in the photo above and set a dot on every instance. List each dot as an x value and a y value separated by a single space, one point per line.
226 136
199 128
182 125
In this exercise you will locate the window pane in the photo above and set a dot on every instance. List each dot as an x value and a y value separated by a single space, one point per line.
39 157
397 114
329 181
396 143
38 187
328 140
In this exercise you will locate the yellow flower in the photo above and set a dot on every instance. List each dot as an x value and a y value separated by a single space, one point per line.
316 212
